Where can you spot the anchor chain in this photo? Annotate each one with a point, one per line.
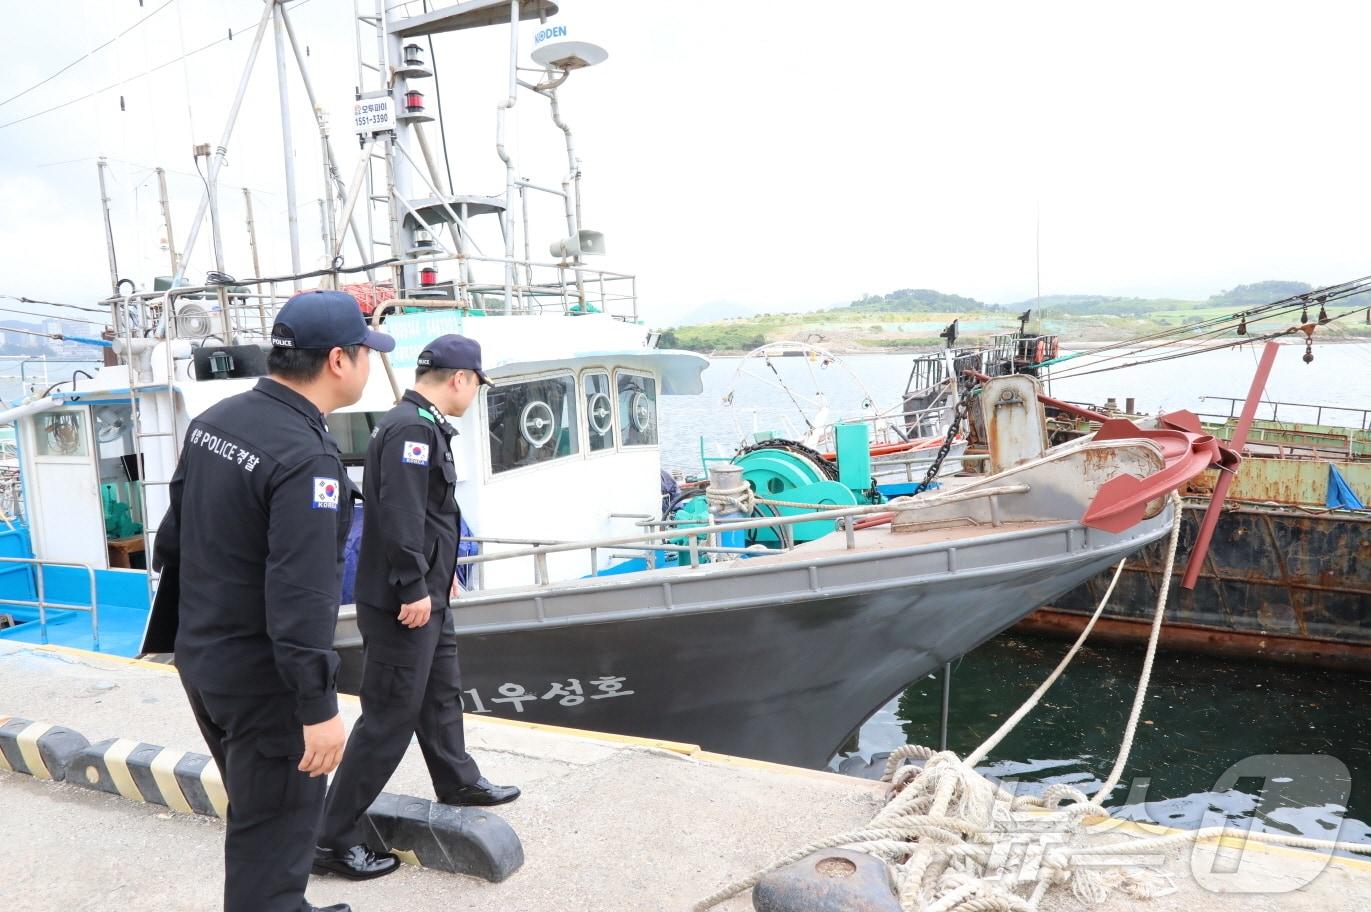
(959, 413)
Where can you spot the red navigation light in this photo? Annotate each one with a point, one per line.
(414, 101)
(428, 277)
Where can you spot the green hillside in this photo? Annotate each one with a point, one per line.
(912, 318)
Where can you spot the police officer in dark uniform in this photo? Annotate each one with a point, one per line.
(251, 558)
(411, 682)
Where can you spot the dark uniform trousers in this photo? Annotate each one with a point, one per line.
(411, 684)
(274, 809)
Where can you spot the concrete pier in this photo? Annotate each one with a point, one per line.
(607, 824)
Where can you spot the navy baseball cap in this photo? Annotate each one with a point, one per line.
(454, 352)
(324, 319)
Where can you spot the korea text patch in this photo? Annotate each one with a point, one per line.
(325, 493)
(415, 453)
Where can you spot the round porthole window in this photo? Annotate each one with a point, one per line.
(640, 412)
(537, 424)
(601, 417)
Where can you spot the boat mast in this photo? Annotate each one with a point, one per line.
(100, 167)
(338, 227)
(287, 143)
(506, 224)
(219, 153)
(166, 217)
(252, 235)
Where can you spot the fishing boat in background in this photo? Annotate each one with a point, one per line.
(1288, 575)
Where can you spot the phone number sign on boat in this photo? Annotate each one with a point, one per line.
(373, 115)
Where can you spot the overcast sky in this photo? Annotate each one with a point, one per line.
(773, 155)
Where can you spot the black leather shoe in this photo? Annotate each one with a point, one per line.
(336, 907)
(356, 863)
(481, 794)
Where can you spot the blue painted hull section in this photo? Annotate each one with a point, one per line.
(121, 600)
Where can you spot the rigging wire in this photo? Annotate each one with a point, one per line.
(29, 313)
(88, 54)
(1219, 325)
(23, 300)
(150, 169)
(147, 72)
(30, 332)
(1276, 334)
(185, 70)
(1211, 332)
(1339, 290)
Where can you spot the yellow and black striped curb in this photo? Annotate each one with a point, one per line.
(189, 783)
(459, 840)
(41, 750)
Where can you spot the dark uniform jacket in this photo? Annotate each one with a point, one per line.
(251, 551)
(410, 525)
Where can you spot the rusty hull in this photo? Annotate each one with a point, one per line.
(1205, 640)
(1280, 583)
(1300, 482)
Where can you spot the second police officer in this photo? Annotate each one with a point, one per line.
(411, 681)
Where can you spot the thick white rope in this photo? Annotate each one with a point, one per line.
(980, 753)
(725, 500)
(1126, 747)
(951, 832)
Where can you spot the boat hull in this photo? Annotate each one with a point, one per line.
(1279, 583)
(778, 660)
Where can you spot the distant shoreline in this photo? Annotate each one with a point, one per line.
(847, 350)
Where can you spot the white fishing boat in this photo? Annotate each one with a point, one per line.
(766, 616)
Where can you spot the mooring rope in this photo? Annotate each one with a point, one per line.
(953, 837)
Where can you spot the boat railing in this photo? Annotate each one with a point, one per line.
(936, 415)
(931, 368)
(42, 604)
(889, 465)
(660, 540)
(1363, 415)
(1296, 442)
(245, 311)
(561, 286)
(648, 551)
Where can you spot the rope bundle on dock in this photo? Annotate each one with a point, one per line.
(959, 842)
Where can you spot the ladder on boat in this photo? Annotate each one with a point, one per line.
(139, 391)
(415, 226)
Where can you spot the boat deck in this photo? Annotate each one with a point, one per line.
(609, 825)
(881, 538)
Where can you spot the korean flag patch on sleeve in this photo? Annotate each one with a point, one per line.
(325, 493)
(415, 453)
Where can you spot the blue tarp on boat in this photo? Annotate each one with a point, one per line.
(1340, 493)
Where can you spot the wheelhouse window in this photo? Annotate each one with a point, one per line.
(637, 408)
(531, 422)
(62, 433)
(599, 411)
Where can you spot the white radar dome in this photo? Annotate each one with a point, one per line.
(556, 46)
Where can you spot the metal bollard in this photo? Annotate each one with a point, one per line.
(834, 880)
